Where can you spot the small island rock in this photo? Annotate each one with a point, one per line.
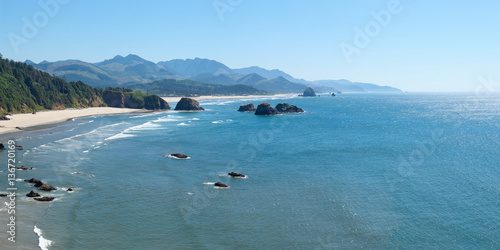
(45, 199)
(266, 109)
(236, 175)
(2, 147)
(247, 108)
(46, 187)
(33, 194)
(179, 156)
(188, 104)
(219, 184)
(309, 92)
(287, 108)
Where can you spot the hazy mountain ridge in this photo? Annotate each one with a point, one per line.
(134, 70)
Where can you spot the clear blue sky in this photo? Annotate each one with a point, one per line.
(426, 46)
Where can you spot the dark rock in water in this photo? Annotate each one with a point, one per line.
(35, 181)
(180, 156)
(2, 147)
(24, 168)
(19, 128)
(309, 92)
(339, 92)
(234, 174)
(247, 108)
(20, 148)
(266, 109)
(4, 118)
(287, 108)
(218, 184)
(333, 94)
(33, 194)
(188, 104)
(70, 190)
(46, 187)
(45, 199)
(4, 195)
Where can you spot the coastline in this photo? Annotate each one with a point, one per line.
(46, 117)
(27, 120)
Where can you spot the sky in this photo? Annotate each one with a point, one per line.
(414, 45)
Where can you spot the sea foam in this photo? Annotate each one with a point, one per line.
(43, 243)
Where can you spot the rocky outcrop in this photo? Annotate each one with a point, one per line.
(188, 104)
(236, 175)
(125, 98)
(33, 194)
(309, 92)
(179, 156)
(70, 190)
(24, 168)
(46, 188)
(40, 185)
(45, 199)
(4, 195)
(219, 184)
(247, 108)
(287, 108)
(2, 147)
(4, 118)
(266, 109)
(333, 94)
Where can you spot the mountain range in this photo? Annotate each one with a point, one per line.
(134, 71)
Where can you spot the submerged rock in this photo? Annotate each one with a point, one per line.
(179, 156)
(309, 92)
(188, 104)
(33, 194)
(70, 190)
(24, 168)
(237, 175)
(287, 108)
(247, 108)
(219, 184)
(266, 109)
(34, 181)
(45, 199)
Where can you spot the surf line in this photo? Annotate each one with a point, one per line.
(11, 178)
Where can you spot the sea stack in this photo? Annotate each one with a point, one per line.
(266, 109)
(2, 147)
(309, 92)
(247, 108)
(287, 108)
(219, 184)
(188, 104)
(33, 194)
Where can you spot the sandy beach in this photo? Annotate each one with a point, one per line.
(56, 116)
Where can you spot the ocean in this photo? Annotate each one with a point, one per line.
(377, 171)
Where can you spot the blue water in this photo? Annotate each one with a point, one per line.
(412, 171)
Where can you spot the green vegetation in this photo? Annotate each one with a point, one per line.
(26, 89)
(171, 87)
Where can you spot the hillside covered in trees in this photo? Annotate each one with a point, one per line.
(26, 89)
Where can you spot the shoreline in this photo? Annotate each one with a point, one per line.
(46, 117)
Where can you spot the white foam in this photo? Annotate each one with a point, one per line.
(183, 124)
(208, 183)
(117, 136)
(219, 121)
(195, 119)
(144, 126)
(43, 243)
(87, 122)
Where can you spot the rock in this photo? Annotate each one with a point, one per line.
(218, 184)
(33, 194)
(19, 128)
(266, 109)
(70, 190)
(46, 187)
(287, 108)
(2, 147)
(24, 168)
(309, 92)
(247, 108)
(20, 148)
(188, 104)
(333, 94)
(237, 175)
(179, 156)
(4, 195)
(4, 118)
(339, 92)
(34, 181)
(45, 199)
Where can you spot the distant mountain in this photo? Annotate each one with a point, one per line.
(132, 69)
(279, 85)
(218, 79)
(251, 79)
(269, 74)
(195, 67)
(348, 86)
(172, 87)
